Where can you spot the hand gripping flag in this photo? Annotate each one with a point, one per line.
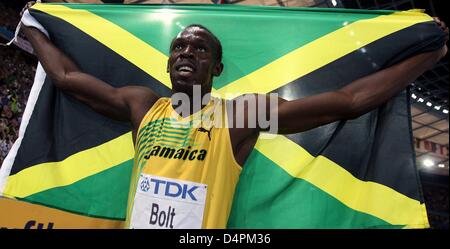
(356, 173)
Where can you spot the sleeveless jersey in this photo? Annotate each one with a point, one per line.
(184, 173)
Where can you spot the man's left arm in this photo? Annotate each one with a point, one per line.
(355, 99)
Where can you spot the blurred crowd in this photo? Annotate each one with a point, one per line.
(9, 17)
(17, 70)
(436, 200)
(16, 78)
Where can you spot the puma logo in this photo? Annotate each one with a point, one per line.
(201, 129)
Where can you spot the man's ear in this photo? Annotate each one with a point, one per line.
(218, 69)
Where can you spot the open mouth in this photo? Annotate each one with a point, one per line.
(185, 69)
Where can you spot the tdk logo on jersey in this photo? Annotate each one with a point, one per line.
(172, 189)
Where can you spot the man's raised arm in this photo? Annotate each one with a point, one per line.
(126, 104)
(355, 99)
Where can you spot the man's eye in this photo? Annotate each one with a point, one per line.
(201, 49)
(177, 47)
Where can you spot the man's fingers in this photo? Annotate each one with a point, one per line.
(440, 23)
(27, 6)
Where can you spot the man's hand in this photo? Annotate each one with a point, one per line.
(441, 24)
(27, 6)
(444, 49)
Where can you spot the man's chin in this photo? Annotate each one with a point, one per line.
(184, 82)
(183, 86)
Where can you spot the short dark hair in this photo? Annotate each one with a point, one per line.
(216, 40)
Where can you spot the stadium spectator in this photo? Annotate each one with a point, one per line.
(16, 77)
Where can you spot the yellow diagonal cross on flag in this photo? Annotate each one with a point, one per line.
(372, 198)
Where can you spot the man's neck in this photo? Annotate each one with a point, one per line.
(188, 104)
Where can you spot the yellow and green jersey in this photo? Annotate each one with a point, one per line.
(185, 172)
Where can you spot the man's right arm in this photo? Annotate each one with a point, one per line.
(126, 104)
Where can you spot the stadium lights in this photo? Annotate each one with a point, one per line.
(429, 104)
(413, 96)
(437, 107)
(445, 111)
(420, 100)
(334, 2)
(441, 165)
(428, 163)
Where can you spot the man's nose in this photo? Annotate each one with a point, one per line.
(187, 52)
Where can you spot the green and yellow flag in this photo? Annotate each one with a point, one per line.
(356, 173)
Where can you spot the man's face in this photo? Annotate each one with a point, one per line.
(193, 60)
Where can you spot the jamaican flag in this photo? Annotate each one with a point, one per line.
(356, 173)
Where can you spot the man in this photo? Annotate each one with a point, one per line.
(185, 174)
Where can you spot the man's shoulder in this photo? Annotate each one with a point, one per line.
(158, 102)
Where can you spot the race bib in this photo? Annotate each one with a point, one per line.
(165, 203)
